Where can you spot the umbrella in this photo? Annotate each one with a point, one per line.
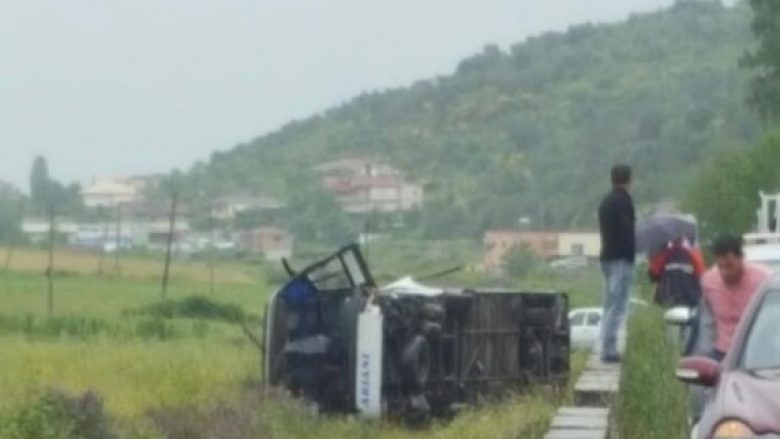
(655, 232)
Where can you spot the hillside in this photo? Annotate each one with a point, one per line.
(533, 130)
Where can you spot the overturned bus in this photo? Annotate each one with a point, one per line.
(405, 350)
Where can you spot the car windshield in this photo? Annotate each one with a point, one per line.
(762, 346)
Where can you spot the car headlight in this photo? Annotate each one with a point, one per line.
(732, 430)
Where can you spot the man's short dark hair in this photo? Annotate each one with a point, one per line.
(621, 175)
(726, 245)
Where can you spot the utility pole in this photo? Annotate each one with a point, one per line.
(118, 238)
(211, 246)
(50, 265)
(103, 241)
(171, 229)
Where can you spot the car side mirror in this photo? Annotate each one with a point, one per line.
(679, 316)
(699, 371)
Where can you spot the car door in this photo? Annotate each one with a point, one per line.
(579, 335)
(592, 326)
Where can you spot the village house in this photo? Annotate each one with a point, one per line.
(500, 242)
(37, 230)
(228, 207)
(143, 183)
(574, 244)
(546, 245)
(273, 243)
(364, 185)
(109, 192)
(115, 191)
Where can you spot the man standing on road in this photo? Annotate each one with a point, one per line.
(726, 291)
(618, 250)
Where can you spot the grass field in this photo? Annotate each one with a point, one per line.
(177, 373)
(69, 262)
(652, 404)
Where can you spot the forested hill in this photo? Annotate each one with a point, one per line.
(532, 131)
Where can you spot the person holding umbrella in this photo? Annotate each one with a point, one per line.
(618, 252)
(675, 264)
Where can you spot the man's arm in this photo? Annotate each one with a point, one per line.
(625, 221)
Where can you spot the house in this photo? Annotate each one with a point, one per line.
(499, 242)
(227, 208)
(154, 235)
(582, 243)
(357, 167)
(364, 185)
(154, 211)
(545, 244)
(37, 230)
(143, 183)
(109, 192)
(273, 243)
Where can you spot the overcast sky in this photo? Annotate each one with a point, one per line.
(139, 86)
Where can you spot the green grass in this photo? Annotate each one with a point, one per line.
(652, 403)
(109, 334)
(132, 376)
(110, 295)
(136, 362)
(583, 286)
(525, 416)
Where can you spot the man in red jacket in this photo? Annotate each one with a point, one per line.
(676, 270)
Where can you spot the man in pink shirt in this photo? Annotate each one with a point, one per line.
(726, 291)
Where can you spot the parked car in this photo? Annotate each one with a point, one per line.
(585, 326)
(743, 401)
(571, 263)
(767, 254)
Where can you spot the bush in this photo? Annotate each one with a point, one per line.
(520, 260)
(195, 307)
(87, 327)
(55, 415)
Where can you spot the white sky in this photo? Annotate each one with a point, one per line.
(109, 87)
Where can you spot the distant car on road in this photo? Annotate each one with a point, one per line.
(743, 402)
(571, 263)
(585, 325)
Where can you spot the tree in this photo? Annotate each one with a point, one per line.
(46, 193)
(520, 260)
(40, 185)
(725, 195)
(560, 107)
(9, 217)
(314, 215)
(765, 59)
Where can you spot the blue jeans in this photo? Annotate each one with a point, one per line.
(618, 276)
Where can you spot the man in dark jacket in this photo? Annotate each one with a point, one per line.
(618, 250)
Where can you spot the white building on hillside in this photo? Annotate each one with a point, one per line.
(109, 192)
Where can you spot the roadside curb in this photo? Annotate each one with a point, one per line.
(591, 416)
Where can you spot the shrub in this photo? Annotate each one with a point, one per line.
(196, 307)
(56, 415)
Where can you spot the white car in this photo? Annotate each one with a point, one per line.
(572, 263)
(767, 254)
(585, 326)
